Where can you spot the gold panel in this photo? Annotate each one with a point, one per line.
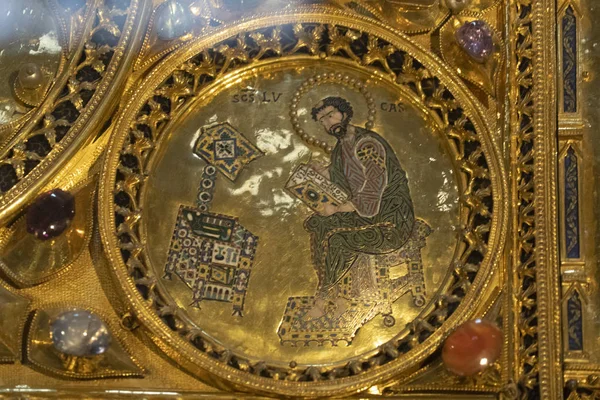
(222, 229)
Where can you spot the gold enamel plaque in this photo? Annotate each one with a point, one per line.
(298, 199)
(253, 269)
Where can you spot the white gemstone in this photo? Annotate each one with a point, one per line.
(173, 21)
(80, 333)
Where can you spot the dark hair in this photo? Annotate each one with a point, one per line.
(341, 104)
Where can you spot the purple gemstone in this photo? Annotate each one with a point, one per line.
(475, 38)
(50, 214)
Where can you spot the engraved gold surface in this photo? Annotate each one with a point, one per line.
(25, 261)
(578, 131)
(515, 104)
(115, 362)
(134, 235)
(283, 265)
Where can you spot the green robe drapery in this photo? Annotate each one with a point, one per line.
(337, 240)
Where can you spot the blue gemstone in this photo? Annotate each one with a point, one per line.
(80, 333)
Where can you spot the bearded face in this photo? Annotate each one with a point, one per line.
(334, 121)
(339, 130)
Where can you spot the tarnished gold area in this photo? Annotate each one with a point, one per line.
(100, 31)
(14, 310)
(31, 32)
(407, 15)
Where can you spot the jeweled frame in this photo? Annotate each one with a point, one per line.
(532, 366)
(131, 177)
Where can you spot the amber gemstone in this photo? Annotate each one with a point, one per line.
(472, 347)
(50, 214)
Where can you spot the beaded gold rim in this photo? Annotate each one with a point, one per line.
(221, 366)
(322, 79)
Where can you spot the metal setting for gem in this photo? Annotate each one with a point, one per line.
(472, 347)
(80, 333)
(30, 76)
(50, 214)
(193, 244)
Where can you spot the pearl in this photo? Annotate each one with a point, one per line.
(173, 21)
(30, 76)
(80, 333)
(457, 6)
(472, 347)
(476, 40)
(50, 214)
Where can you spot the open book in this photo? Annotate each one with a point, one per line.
(314, 189)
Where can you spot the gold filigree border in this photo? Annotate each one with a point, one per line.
(413, 72)
(75, 105)
(534, 287)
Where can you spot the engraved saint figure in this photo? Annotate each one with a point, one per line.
(378, 216)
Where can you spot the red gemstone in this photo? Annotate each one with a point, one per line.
(50, 214)
(472, 347)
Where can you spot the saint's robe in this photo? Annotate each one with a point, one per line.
(368, 170)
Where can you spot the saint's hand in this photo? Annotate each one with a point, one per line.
(328, 209)
(321, 168)
(347, 207)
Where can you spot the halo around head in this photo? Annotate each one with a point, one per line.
(321, 79)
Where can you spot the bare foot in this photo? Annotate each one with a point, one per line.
(341, 305)
(317, 310)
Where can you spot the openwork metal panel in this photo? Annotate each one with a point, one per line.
(290, 198)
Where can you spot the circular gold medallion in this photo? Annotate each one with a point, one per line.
(300, 208)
